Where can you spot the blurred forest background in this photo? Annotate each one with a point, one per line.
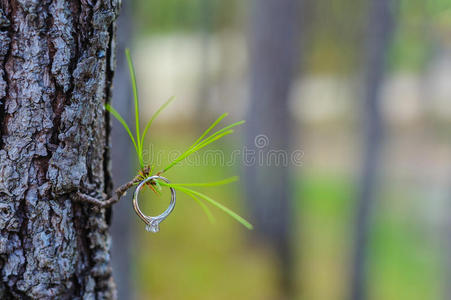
(361, 87)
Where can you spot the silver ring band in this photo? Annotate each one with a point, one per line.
(153, 223)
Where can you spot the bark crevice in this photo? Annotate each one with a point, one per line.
(5, 40)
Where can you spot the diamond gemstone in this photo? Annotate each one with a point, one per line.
(153, 227)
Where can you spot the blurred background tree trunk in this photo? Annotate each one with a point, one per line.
(273, 56)
(56, 68)
(380, 27)
(207, 15)
(122, 155)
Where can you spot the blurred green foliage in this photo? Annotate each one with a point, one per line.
(333, 30)
(193, 259)
(170, 16)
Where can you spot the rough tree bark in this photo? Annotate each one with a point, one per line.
(56, 67)
(381, 24)
(274, 55)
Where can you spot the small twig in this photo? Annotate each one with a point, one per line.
(118, 193)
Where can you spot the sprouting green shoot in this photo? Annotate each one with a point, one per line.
(228, 211)
(137, 139)
(203, 141)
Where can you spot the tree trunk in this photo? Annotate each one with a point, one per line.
(273, 52)
(56, 68)
(380, 28)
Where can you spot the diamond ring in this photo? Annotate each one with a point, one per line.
(153, 223)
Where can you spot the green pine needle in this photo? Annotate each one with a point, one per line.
(154, 116)
(210, 128)
(193, 150)
(135, 98)
(228, 211)
(213, 183)
(204, 207)
(118, 117)
(199, 144)
(227, 128)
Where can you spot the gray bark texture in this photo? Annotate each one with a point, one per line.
(56, 68)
